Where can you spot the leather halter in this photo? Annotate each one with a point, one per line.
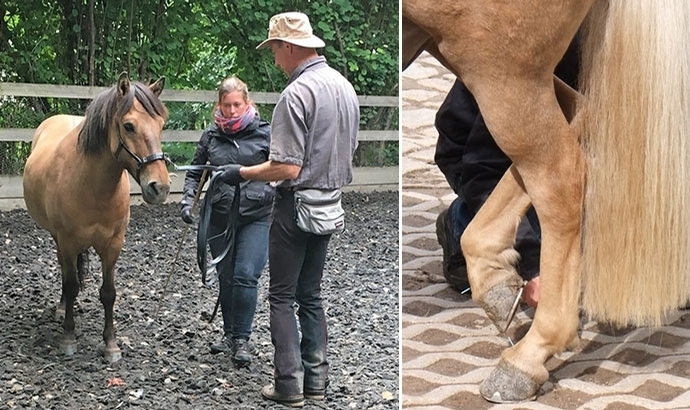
(140, 161)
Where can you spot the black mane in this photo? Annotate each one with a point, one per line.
(107, 107)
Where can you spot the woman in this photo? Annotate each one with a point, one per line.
(238, 136)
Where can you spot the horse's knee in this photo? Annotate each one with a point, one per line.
(70, 287)
(107, 296)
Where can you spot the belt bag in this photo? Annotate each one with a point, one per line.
(319, 212)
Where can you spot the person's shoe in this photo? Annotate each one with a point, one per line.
(225, 345)
(241, 354)
(317, 395)
(291, 400)
(454, 266)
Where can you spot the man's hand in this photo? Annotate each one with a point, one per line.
(531, 293)
(230, 174)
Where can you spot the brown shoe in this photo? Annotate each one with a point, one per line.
(291, 400)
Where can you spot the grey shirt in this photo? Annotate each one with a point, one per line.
(315, 124)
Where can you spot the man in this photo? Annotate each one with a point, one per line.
(313, 139)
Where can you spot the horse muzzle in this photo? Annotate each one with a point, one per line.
(155, 190)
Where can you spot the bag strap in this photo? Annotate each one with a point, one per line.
(303, 196)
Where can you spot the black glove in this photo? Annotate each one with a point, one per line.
(186, 214)
(230, 174)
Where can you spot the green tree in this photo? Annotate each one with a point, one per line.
(193, 44)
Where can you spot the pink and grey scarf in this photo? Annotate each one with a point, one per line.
(237, 124)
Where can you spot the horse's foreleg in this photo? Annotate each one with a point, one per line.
(82, 267)
(70, 291)
(487, 244)
(107, 296)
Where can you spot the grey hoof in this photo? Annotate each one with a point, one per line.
(112, 354)
(508, 384)
(112, 357)
(69, 348)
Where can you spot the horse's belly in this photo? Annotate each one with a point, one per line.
(44, 167)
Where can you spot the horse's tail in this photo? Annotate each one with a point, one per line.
(636, 235)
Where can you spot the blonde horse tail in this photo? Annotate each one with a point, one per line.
(636, 232)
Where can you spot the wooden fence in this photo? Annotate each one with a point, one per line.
(11, 192)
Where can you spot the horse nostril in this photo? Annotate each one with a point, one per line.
(158, 189)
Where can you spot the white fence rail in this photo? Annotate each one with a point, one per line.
(11, 191)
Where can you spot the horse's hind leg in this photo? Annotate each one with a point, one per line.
(107, 294)
(546, 153)
(488, 247)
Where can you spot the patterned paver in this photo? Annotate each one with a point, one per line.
(448, 344)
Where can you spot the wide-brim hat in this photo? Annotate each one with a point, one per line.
(292, 27)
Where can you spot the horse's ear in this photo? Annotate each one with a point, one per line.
(157, 87)
(123, 84)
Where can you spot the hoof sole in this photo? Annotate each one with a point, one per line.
(500, 303)
(507, 384)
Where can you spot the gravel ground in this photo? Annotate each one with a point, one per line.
(166, 361)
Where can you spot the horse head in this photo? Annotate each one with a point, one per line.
(138, 132)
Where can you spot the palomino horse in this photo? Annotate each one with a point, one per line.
(627, 261)
(76, 187)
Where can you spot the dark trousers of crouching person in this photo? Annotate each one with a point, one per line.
(296, 261)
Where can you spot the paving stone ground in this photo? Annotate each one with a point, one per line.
(449, 345)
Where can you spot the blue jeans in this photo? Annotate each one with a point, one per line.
(238, 281)
(296, 262)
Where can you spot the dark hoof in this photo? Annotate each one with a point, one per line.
(508, 384)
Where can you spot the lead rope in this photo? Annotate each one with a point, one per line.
(229, 236)
(202, 181)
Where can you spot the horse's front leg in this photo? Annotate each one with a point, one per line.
(107, 294)
(70, 291)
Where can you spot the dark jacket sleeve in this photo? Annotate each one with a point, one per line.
(192, 179)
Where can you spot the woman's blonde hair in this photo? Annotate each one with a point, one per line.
(232, 84)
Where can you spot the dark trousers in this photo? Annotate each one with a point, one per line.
(296, 260)
(239, 272)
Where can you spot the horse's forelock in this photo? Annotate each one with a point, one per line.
(99, 114)
(151, 103)
(106, 107)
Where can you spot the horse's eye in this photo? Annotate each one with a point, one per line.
(128, 127)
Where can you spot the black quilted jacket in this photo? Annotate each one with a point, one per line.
(247, 147)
